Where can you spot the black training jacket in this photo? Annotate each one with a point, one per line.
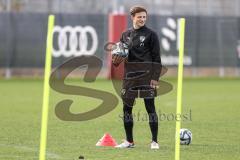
(143, 46)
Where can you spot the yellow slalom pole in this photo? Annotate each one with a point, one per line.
(179, 87)
(48, 61)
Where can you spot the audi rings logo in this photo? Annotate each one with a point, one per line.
(74, 41)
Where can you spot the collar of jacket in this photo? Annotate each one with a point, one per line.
(140, 29)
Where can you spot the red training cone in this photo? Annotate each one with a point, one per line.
(107, 140)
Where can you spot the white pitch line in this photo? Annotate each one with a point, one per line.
(29, 149)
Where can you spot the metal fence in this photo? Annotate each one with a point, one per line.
(160, 7)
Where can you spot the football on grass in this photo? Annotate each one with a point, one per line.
(185, 136)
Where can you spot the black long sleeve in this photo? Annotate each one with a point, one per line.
(156, 59)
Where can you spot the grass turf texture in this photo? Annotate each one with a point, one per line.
(214, 105)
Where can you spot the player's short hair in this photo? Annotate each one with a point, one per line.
(137, 9)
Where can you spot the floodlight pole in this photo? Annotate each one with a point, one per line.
(8, 71)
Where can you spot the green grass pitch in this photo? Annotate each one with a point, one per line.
(215, 123)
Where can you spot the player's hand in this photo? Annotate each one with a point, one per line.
(154, 84)
(116, 59)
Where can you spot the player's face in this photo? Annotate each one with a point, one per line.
(139, 19)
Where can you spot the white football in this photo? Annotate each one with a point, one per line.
(120, 49)
(185, 136)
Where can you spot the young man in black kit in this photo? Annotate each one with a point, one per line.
(143, 49)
